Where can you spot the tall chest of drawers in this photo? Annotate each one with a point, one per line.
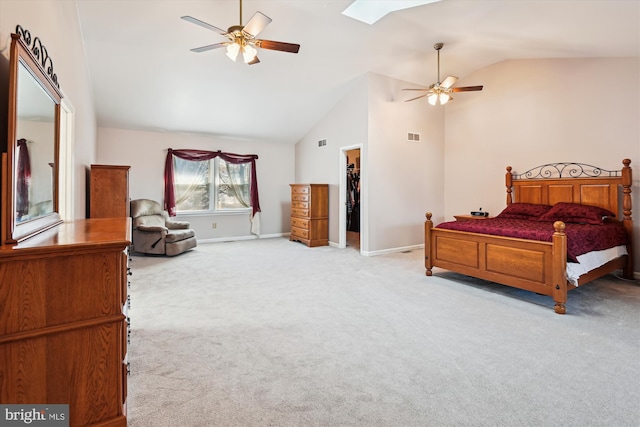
(109, 191)
(310, 214)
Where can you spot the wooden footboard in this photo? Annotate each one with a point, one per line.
(525, 264)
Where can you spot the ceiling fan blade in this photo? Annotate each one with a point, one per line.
(204, 24)
(254, 61)
(417, 97)
(424, 90)
(448, 82)
(256, 24)
(208, 47)
(281, 46)
(466, 89)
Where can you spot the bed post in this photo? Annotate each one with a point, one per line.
(627, 222)
(428, 225)
(508, 181)
(559, 273)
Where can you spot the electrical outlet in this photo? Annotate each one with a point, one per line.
(214, 225)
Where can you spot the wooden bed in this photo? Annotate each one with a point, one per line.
(537, 266)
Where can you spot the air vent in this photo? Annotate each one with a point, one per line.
(322, 143)
(413, 137)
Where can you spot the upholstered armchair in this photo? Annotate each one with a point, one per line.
(155, 233)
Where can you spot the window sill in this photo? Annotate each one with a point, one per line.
(217, 213)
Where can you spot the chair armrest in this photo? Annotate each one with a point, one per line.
(177, 225)
(152, 228)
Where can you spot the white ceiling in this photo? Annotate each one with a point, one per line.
(145, 77)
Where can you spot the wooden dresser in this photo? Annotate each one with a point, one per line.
(109, 191)
(63, 320)
(310, 214)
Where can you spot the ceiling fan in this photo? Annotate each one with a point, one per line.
(242, 39)
(440, 92)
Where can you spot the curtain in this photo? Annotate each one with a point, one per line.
(202, 167)
(201, 155)
(24, 177)
(234, 185)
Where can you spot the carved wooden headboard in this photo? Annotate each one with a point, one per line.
(573, 183)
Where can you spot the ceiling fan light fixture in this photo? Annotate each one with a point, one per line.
(438, 96)
(232, 50)
(248, 53)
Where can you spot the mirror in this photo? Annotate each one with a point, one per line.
(30, 167)
(35, 133)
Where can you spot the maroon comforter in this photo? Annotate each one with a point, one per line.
(581, 238)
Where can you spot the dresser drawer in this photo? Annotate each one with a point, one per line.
(300, 222)
(300, 205)
(299, 232)
(299, 189)
(300, 212)
(296, 197)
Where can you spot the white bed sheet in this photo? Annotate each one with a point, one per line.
(591, 260)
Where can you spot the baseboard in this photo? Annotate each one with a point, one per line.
(239, 238)
(393, 250)
(636, 276)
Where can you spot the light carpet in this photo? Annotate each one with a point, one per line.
(272, 333)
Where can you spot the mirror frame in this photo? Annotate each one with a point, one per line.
(12, 230)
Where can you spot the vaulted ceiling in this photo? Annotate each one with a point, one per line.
(145, 77)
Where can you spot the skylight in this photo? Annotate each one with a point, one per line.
(370, 11)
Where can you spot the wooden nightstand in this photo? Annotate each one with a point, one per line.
(468, 217)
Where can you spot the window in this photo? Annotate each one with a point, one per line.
(211, 185)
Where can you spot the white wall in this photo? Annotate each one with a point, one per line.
(56, 23)
(533, 112)
(405, 178)
(146, 152)
(344, 126)
(400, 180)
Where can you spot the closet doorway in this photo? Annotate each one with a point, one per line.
(350, 200)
